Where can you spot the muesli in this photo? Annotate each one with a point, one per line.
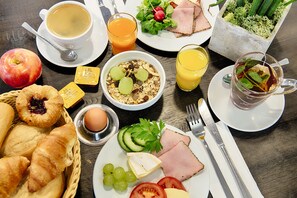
(143, 88)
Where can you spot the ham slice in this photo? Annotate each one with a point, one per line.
(180, 162)
(184, 17)
(201, 23)
(190, 4)
(171, 138)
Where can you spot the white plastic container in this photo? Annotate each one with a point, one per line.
(233, 41)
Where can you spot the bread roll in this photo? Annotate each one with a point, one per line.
(52, 155)
(6, 118)
(12, 170)
(53, 189)
(22, 140)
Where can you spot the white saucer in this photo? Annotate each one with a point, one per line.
(91, 50)
(257, 119)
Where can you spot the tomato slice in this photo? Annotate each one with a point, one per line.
(148, 190)
(171, 182)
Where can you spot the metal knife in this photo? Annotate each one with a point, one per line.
(212, 127)
(104, 11)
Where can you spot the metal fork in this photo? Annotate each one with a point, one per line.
(197, 128)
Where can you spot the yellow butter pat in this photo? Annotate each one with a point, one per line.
(71, 94)
(85, 75)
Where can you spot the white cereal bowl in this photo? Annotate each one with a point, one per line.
(127, 56)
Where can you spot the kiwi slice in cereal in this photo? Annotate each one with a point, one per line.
(141, 74)
(116, 73)
(126, 85)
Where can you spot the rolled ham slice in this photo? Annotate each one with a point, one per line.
(180, 162)
(171, 138)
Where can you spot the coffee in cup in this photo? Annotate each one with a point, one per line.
(69, 23)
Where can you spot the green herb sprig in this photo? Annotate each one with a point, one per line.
(149, 132)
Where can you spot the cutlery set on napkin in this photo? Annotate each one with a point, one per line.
(225, 160)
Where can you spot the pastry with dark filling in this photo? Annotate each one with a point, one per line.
(40, 106)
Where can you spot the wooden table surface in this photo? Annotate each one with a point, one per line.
(271, 154)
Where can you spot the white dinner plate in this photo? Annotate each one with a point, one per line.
(165, 40)
(91, 50)
(254, 120)
(197, 186)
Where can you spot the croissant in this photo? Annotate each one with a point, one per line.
(51, 156)
(12, 170)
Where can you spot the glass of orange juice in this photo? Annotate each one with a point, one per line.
(122, 32)
(191, 64)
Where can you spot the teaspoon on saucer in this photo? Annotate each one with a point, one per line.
(66, 55)
(227, 77)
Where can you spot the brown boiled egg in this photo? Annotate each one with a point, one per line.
(95, 119)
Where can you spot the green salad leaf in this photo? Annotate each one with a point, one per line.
(146, 16)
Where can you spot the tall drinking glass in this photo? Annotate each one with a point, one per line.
(191, 64)
(122, 32)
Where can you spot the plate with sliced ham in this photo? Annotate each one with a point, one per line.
(194, 19)
(183, 157)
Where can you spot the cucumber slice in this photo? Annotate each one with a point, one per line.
(136, 140)
(116, 73)
(127, 139)
(120, 139)
(141, 74)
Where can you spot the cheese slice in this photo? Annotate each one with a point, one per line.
(142, 163)
(176, 193)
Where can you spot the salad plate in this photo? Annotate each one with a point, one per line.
(165, 40)
(91, 50)
(113, 153)
(253, 120)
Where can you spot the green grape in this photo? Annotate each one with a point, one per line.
(116, 73)
(141, 74)
(108, 180)
(130, 177)
(108, 168)
(121, 185)
(119, 173)
(126, 85)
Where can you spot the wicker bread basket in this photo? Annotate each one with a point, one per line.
(72, 173)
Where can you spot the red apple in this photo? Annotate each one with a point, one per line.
(20, 67)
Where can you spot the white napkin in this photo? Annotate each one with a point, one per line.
(237, 160)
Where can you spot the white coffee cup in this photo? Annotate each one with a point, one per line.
(69, 23)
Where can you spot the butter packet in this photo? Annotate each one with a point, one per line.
(71, 94)
(85, 75)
